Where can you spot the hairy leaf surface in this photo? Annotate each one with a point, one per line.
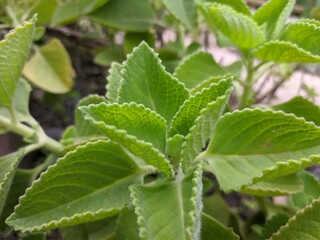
(252, 145)
(189, 111)
(128, 15)
(301, 107)
(50, 68)
(145, 81)
(14, 51)
(273, 16)
(305, 35)
(201, 132)
(196, 68)
(239, 28)
(212, 229)
(184, 11)
(114, 82)
(95, 177)
(304, 225)
(238, 5)
(284, 52)
(177, 212)
(137, 128)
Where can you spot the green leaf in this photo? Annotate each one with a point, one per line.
(95, 176)
(50, 68)
(301, 107)
(177, 212)
(284, 52)
(83, 127)
(14, 51)
(283, 185)
(196, 68)
(212, 229)
(21, 181)
(189, 111)
(252, 145)
(238, 5)
(88, 6)
(66, 13)
(273, 23)
(239, 28)
(273, 224)
(106, 56)
(137, 128)
(127, 227)
(304, 225)
(311, 190)
(133, 39)
(184, 11)
(44, 10)
(145, 81)
(173, 148)
(201, 132)
(128, 15)
(114, 82)
(8, 165)
(216, 207)
(304, 35)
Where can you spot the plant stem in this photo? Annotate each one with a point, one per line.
(247, 94)
(23, 130)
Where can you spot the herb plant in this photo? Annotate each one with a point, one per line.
(137, 163)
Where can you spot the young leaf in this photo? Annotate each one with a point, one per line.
(200, 133)
(177, 212)
(284, 52)
(114, 82)
(305, 35)
(196, 68)
(301, 107)
(311, 190)
(8, 165)
(283, 185)
(128, 15)
(212, 229)
(95, 176)
(239, 28)
(189, 111)
(14, 51)
(184, 11)
(252, 145)
(273, 23)
(145, 81)
(305, 224)
(50, 68)
(137, 128)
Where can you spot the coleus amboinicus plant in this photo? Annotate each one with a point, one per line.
(132, 165)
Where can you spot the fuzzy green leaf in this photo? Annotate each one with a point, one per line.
(304, 225)
(283, 185)
(212, 229)
(238, 5)
(177, 212)
(8, 165)
(239, 28)
(127, 227)
(196, 68)
(137, 128)
(273, 16)
(145, 81)
(304, 35)
(284, 52)
(50, 68)
(114, 82)
(128, 15)
(252, 145)
(189, 111)
(311, 190)
(184, 11)
(95, 176)
(200, 133)
(14, 51)
(301, 107)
